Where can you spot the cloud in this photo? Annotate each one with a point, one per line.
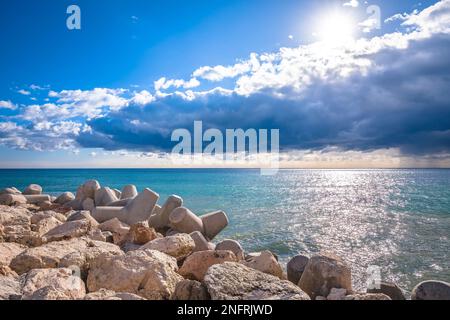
(351, 3)
(7, 105)
(369, 25)
(218, 73)
(164, 84)
(384, 93)
(24, 92)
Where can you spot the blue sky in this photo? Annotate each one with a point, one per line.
(91, 97)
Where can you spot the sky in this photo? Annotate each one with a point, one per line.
(349, 84)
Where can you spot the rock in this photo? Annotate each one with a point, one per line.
(12, 199)
(45, 225)
(9, 286)
(33, 189)
(183, 220)
(104, 196)
(65, 198)
(233, 246)
(431, 290)
(234, 281)
(178, 246)
(196, 265)
(324, 272)
(295, 268)
(128, 192)
(137, 210)
(89, 188)
(214, 223)
(52, 284)
(117, 228)
(11, 190)
(389, 289)
(46, 205)
(83, 215)
(51, 255)
(8, 251)
(68, 230)
(88, 204)
(160, 219)
(337, 294)
(367, 296)
(97, 235)
(37, 217)
(171, 232)
(36, 199)
(140, 233)
(104, 294)
(190, 290)
(118, 193)
(201, 244)
(267, 263)
(148, 273)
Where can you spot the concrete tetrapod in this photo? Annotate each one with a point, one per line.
(139, 209)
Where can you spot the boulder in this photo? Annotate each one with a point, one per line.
(39, 216)
(65, 198)
(183, 220)
(267, 263)
(104, 196)
(196, 265)
(118, 193)
(233, 246)
(9, 287)
(120, 203)
(160, 218)
(104, 294)
(190, 290)
(140, 233)
(46, 205)
(337, 294)
(214, 223)
(33, 189)
(295, 268)
(324, 272)
(148, 273)
(234, 281)
(68, 230)
(51, 255)
(52, 284)
(201, 244)
(8, 251)
(128, 192)
(12, 199)
(83, 215)
(367, 296)
(117, 228)
(389, 289)
(139, 209)
(178, 246)
(431, 290)
(45, 225)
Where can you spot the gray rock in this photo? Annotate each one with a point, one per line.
(389, 289)
(65, 198)
(234, 281)
(233, 246)
(431, 290)
(190, 290)
(295, 268)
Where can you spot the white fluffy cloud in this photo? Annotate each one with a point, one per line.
(351, 3)
(164, 84)
(7, 105)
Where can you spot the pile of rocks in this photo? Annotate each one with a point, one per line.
(108, 244)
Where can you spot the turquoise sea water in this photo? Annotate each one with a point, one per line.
(398, 220)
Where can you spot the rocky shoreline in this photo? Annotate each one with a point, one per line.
(109, 244)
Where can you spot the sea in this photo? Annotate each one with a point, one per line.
(388, 224)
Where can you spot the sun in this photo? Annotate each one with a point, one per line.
(335, 28)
